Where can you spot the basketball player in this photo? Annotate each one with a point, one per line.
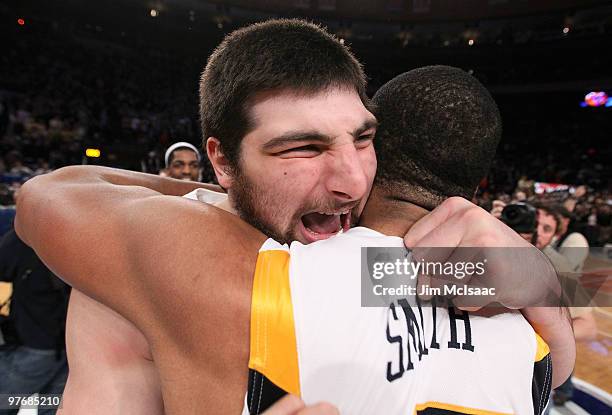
(197, 365)
(182, 161)
(310, 335)
(122, 377)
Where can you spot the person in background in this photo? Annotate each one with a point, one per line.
(519, 196)
(569, 243)
(182, 162)
(574, 247)
(33, 356)
(585, 329)
(7, 209)
(547, 224)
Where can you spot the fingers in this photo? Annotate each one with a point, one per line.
(444, 237)
(498, 204)
(458, 234)
(431, 221)
(498, 207)
(292, 405)
(322, 408)
(289, 405)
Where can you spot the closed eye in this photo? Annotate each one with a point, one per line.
(364, 140)
(365, 137)
(302, 151)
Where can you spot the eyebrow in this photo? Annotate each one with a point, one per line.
(370, 123)
(314, 136)
(297, 136)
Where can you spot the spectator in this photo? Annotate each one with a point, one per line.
(572, 245)
(34, 359)
(183, 161)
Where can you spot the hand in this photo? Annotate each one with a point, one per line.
(459, 231)
(580, 192)
(521, 274)
(498, 206)
(292, 405)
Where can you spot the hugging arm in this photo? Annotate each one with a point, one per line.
(527, 282)
(113, 235)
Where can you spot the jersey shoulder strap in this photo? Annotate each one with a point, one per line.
(273, 360)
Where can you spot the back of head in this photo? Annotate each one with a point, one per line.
(276, 55)
(562, 211)
(439, 129)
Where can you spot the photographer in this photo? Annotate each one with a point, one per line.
(33, 358)
(569, 243)
(540, 226)
(537, 225)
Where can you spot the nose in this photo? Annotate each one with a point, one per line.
(347, 180)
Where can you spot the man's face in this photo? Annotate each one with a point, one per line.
(184, 165)
(547, 225)
(307, 166)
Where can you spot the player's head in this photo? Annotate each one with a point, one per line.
(279, 102)
(439, 129)
(183, 161)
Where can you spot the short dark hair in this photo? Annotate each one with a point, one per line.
(280, 54)
(171, 156)
(439, 130)
(562, 211)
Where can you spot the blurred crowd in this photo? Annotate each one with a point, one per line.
(589, 211)
(61, 94)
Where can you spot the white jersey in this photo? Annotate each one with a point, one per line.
(310, 336)
(206, 196)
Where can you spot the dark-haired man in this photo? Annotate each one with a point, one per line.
(267, 105)
(290, 137)
(198, 340)
(570, 243)
(547, 224)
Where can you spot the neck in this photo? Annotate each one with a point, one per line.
(227, 206)
(389, 214)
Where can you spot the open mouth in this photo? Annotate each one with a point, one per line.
(322, 225)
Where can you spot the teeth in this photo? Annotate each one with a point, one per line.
(334, 213)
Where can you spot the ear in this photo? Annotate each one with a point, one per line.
(219, 162)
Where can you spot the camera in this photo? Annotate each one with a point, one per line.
(521, 217)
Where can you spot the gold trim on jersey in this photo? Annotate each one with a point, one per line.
(454, 408)
(541, 348)
(273, 345)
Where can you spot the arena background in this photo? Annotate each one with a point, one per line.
(121, 79)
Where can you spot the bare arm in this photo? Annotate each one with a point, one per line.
(113, 235)
(525, 283)
(585, 327)
(292, 405)
(163, 185)
(554, 325)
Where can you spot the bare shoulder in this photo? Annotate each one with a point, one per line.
(180, 242)
(199, 276)
(196, 264)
